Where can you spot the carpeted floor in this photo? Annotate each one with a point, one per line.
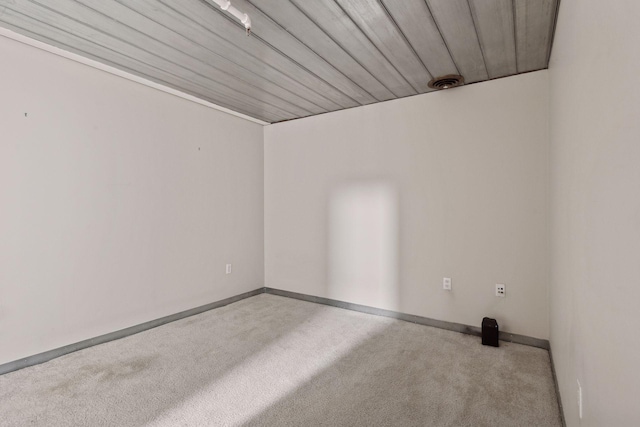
(274, 361)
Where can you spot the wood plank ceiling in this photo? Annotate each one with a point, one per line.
(304, 57)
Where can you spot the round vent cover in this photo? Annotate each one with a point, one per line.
(446, 82)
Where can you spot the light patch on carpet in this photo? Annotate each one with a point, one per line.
(298, 360)
(275, 361)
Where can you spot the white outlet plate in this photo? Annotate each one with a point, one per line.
(446, 283)
(501, 290)
(579, 400)
(228, 269)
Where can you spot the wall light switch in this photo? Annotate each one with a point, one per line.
(446, 283)
(228, 270)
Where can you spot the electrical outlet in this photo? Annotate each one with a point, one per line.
(446, 283)
(500, 290)
(228, 270)
(579, 400)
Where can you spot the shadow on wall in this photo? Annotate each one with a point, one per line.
(363, 249)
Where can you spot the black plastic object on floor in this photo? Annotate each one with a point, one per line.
(489, 332)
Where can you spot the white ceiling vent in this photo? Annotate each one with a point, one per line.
(446, 82)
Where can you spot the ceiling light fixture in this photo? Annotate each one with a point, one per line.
(227, 7)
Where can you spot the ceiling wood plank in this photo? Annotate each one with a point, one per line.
(81, 26)
(208, 39)
(208, 16)
(200, 54)
(534, 32)
(415, 21)
(304, 29)
(277, 36)
(335, 22)
(455, 22)
(205, 16)
(495, 25)
(163, 54)
(304, 57)
(372, 18)
(37, 30)
(100, 16)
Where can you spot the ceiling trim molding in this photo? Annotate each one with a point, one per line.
(120, 73)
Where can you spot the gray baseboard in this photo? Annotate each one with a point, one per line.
(61, 351)
(451, 326)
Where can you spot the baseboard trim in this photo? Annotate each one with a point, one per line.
(555, 381)
(61, 351)
(451, 326)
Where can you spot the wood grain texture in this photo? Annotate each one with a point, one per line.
(534, 31)
(172, 44)
(373, 20)
(415, 20)
(224, 49)
(304, 29)
(81, 47)
(226, 32)
(495, 25)
(276, 36)
(304, 57)
(34, 22)
(335, 22)
(455, 22)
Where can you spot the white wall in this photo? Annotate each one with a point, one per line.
(118, 203)
(375, 205)
(595, 210)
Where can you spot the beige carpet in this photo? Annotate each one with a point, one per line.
(269, 360)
